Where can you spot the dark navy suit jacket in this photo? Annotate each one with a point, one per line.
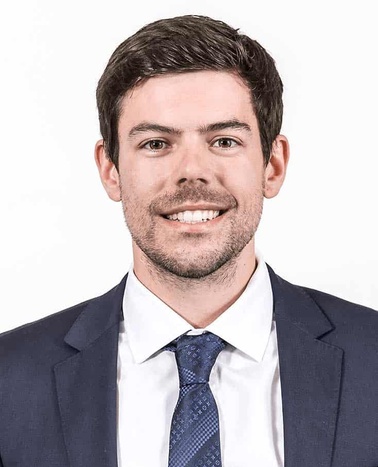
(58, 389)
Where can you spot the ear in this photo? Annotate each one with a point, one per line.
(275, 171)
(108, 172)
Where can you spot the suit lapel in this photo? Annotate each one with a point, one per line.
(87, 383)
(310, 372)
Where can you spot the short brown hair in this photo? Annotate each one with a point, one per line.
(184, 44)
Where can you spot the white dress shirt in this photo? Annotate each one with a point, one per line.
(245, 378)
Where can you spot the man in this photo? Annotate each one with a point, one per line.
(202, 355)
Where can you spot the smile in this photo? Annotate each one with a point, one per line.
(194, 217)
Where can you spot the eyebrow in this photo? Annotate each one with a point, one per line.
(145, 127)
(233, 124)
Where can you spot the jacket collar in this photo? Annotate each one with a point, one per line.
(293, 304)
(86, 383)
(310, 376)
(310, 373)
(97, 317)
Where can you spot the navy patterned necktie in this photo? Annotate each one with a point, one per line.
(194, 439)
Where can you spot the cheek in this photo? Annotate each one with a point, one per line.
(153, 180)
(244, 180)
(141, 183)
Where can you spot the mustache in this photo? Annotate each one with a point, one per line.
(190, 194)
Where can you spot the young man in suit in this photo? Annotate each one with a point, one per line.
(202, 355)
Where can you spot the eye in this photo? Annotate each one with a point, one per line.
(225, 143)
(155, 145)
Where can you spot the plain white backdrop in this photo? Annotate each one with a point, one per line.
(63, 241)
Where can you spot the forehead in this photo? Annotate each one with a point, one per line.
(188, 100)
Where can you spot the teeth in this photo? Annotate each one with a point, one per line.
(188, 216)
(197, 216)
(192, 217)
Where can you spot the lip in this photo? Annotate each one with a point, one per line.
(196, 227)
(195, 207)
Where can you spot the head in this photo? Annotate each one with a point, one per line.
(190, 114)
(187, 44)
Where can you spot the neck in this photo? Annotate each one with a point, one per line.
(198, 301)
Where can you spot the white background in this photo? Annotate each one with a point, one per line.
(63, 241)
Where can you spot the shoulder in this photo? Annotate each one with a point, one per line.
(50, 332)
(355, 327)
(29, 354)
(336, 309)
(44, 336)
(330, 318)
(342, 310)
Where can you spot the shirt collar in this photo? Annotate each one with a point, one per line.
(151, 324)
(247, 323)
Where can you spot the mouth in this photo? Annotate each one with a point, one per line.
(194, 216)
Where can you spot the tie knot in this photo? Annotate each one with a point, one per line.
(195, 356)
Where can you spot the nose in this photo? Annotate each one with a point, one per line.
(195, 165)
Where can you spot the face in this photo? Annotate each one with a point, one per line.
(191, 174)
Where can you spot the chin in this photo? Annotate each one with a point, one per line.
(196, 268)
